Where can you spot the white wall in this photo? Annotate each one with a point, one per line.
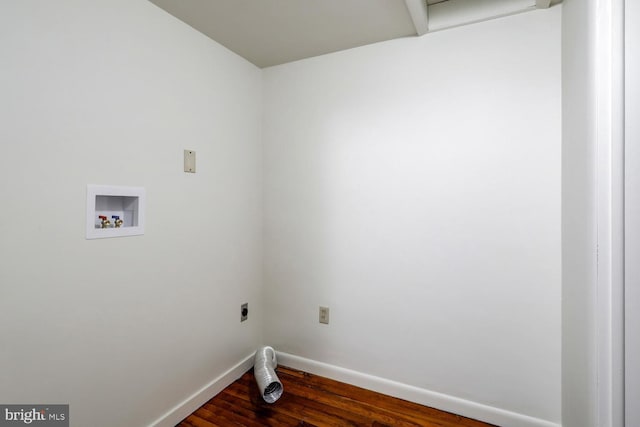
(632, 206)
(413, 187)
(111, 92)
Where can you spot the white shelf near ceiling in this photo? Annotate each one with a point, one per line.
(434, 15)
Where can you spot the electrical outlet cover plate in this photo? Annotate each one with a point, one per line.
(244, 312)
(324, 315)
(190, 161)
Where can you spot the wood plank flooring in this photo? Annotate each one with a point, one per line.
(310, 400)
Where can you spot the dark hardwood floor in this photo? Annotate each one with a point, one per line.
(311, 400)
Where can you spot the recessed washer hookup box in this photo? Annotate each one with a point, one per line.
(114, 211)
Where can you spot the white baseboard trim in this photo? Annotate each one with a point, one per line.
(425, 397)
(199, 398)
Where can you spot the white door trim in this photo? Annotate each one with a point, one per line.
(609, 45)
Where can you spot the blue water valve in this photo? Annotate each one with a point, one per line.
(117, 221)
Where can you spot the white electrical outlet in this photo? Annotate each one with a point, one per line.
(324, 315)
(244, 311)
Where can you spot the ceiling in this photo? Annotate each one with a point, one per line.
(272, 32)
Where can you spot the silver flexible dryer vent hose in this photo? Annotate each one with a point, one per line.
(264, 365)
